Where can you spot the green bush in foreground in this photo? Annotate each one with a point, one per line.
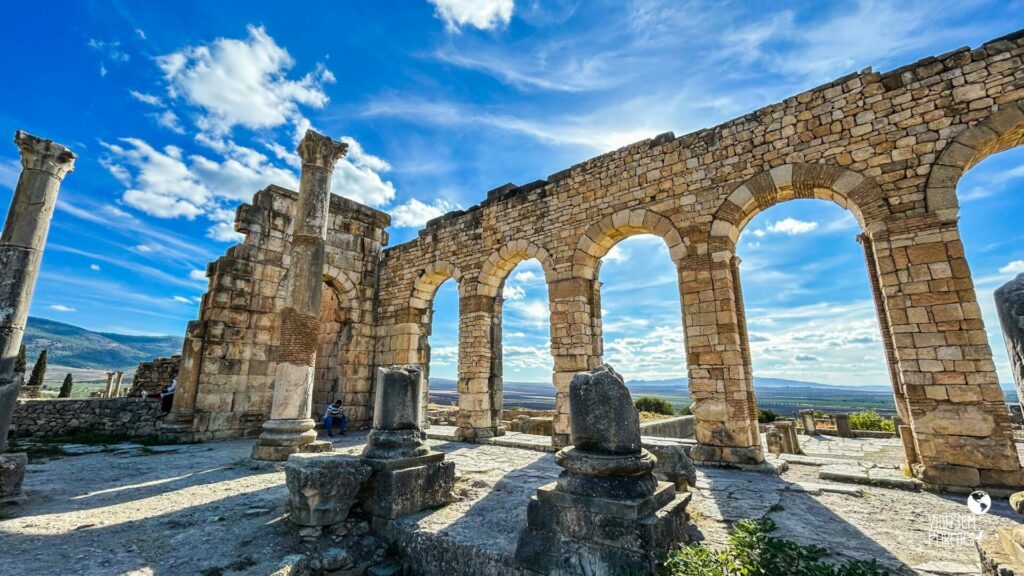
(656, 405)
(753, 552)
(871, 420)
(767, 415)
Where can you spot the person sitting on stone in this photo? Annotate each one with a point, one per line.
(335, 415)
(167, 396)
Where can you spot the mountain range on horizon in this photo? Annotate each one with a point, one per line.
(78, 347)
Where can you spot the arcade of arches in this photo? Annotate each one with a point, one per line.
(889, 147)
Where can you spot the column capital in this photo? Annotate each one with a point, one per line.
(44, 155)
(319, 150)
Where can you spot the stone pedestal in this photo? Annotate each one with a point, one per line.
(606, 514)
(407, 475)
(773, 440)
(290, 427)
(843, 429)
(12, 474)
(323, 487)
(1010, 305)
(790, 441)
(807, 419)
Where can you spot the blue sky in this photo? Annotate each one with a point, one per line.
(178, 114)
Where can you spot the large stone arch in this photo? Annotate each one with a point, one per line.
(501, 262)
(430, 279)
(601, 236)
(340, 371)
(850, 190)
(1002, 130)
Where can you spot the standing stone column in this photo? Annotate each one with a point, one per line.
(807, 418)
(44, 164)
(110, 385)
(118, 378)
(290, 428)
(1010, 305)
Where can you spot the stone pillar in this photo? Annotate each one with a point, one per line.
(407, 475)
(607, 511)
(44, 164)
(773, 440)
(108, 392)
(476, 413)
(726, 429)
(843, 429)
(290, 427)
(807, 419)
(497, 379)
(956, 409)
(572, 344)
(790, 441)
(883, 325)
(118, 377)
(1010, 305)
(184, 407)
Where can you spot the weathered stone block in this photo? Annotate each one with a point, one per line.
(12, 475)
(400, 488)
(323, 487)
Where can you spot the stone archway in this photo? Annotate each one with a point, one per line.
(337, 363)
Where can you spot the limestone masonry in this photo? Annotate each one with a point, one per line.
(889, 147)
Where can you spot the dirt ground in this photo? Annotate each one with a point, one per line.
(200, 509)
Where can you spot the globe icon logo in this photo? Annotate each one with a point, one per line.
(979, 502)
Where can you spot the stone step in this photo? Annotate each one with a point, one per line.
(884, 477)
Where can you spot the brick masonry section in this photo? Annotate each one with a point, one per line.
(64, 416)
(889, 147)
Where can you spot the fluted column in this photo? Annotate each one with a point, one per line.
(290, 427)
(44, 164)
(184, 407)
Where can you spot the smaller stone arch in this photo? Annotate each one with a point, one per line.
(430, 279)
(1002, 130)
(501, 262)
(850, 190)
(602, 235)
(340, 282)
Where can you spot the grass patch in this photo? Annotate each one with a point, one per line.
(37, 452)
(753, 551)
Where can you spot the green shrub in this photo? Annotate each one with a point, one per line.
(684, 410)
(656, 405)
(871, 420)
(766, 415)
(752, 551)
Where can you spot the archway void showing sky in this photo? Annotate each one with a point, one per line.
(179, 113)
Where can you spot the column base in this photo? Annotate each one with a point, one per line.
(610, 535)
(471, 434)
(560, 440)
(282, 438)
(406, 486)
(965, 479)
(706, 454)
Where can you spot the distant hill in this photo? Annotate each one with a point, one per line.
(76, 347)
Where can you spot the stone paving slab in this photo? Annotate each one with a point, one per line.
(877, 476)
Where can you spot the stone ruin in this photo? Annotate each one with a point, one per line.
(889, 147)
(154, 376)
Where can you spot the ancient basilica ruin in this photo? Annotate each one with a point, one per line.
(889, 147)
(315, 305)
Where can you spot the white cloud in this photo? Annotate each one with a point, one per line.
(242, 82)
(198, 275)
(182, 299)
(791, 226)
(61, 308)
(144, 248)
(512, 292)
(533, 311)
(415, 213)
(526, 276)
(1015, 267)
(168, 119)
(482, 14)
(10, 171)
(109, 50)
(94, 267)
(223, 229)
(146, 98)
(615, 254)
(806, 358)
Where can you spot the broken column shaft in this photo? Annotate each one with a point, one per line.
(44, 165)
(290, 428)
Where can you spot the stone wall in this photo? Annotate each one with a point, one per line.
(153, 376)
(677, 427)
(889, 147)
(64, 416)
